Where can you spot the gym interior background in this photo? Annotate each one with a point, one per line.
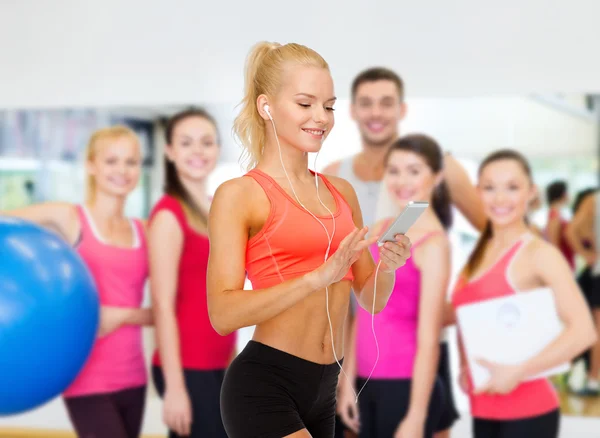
(478, 77)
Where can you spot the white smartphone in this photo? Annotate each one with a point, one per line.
(404, 221)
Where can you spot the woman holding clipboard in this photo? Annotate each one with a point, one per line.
(510, 258)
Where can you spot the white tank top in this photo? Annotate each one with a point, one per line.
(367, 192)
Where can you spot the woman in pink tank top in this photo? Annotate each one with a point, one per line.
(509, 259)
(107, 398)
(403, 396)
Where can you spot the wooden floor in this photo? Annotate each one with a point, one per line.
(571, 405)
(576, 405)
(39, 433)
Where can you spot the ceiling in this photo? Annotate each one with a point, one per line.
(107, 53)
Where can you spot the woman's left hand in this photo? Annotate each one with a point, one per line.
(503, 378)
(393, 255)
(410, 428)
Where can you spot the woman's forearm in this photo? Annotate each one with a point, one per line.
(425, 370)
(572, 341)
(350, 353)
(141, 317)
(377, 290)
(167, 339)
(449, 317)
(235, 309)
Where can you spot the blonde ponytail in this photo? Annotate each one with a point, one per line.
(263, 72)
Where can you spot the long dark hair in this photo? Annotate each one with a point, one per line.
(173, 185)
(477, 254)
(428, 148)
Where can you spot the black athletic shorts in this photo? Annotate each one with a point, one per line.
(384, 403)
(203, 388)
(449, 413)
(269, 393)
(590, 286)
(542, 426)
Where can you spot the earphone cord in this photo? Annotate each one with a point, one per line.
(329, 240)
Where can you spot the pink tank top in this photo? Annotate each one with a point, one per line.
(117, 359)
(395, 326)
(530, 398)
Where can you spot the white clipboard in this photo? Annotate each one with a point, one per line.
(509, 330)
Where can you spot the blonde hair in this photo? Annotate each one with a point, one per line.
(99, 136)
(263, 74)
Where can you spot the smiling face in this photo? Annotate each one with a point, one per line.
(378, 109)
(302, 109)
(114, 165)
(408, 177)
(506, 191)
(194, 148)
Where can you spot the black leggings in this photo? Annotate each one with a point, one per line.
(203, 388)
(384, 403)
(115, 414)
(542, 426)
(268, 393)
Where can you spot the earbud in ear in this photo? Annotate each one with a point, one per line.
(268, 111)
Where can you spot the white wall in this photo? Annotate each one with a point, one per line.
(153, 52)
(469, 127)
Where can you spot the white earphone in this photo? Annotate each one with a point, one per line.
(329, 240)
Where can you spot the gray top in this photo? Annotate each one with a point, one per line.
(367, 192)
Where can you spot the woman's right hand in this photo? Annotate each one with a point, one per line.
(337, 266)
(346, 408)
(111, 319)
(177, 411)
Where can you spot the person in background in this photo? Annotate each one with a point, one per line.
(191, 357)
(557, 197)
(405, 397)
(583, 234)
(378, 107)
(107, 398)
(509, 259)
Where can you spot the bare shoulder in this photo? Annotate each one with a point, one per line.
(332, 168)
(343, 186)
(435, 250)
(235, 190)
(349, 195)
(61, 216)
(241, 197)
(588, 205)
(439, 240)
(543, 254)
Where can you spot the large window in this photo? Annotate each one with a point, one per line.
(42, 154)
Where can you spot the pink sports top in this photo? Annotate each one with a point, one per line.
(291, 242)
(395, 326)
(529, 399)
(117, 359)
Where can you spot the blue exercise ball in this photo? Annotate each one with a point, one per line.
(49, 315)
